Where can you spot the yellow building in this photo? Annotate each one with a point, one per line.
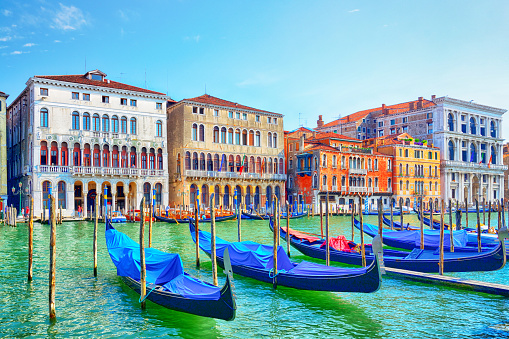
(221, 147)
(3, 149)
(416, 171)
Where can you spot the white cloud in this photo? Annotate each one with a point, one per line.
(354, 10)
(7, 38)
(57, 41)
(6, 12)
(16, 52)
(30, 44)
(195, 38)
(3, 47)
(69, 18)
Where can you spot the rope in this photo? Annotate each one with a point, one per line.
(145, 297)
(273, 276)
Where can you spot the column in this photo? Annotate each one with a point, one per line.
(458, 149)
(84, 201)
(69, 199)
(113, 199)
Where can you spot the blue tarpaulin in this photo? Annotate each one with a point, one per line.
(163, 269)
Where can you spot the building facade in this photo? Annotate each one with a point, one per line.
(74, 135)
(328, 162)
(416, 172)
(467, 133)
(3, 149)
(221, 147)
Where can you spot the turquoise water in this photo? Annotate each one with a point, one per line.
(104, 307)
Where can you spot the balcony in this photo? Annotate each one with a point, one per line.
(303, 170)
(325, 188)
(472, 165)
(360, 171)
(334, 188)
(233, 175)
(100, 171)
(358, 189)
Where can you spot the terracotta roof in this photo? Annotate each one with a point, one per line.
(390, 109)
(327, 135)
(209, 99)
(80, 79)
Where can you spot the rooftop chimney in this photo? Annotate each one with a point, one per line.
(319, 122)
(419, 103)
(433, 97)
(301, 142)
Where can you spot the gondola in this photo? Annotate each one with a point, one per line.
(117, 217)
(136, 216)
(167, 283)
(464, 241)
(174, 221)
(417, 260)
(397, 224)
(255, 216)
(253, 260)
(436, 224)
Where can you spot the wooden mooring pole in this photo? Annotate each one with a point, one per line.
(213, 240)
(441, 258)
(391, 200)
(451, 227)
(421, 212)
(96, 224)
(478, 226)
(321, 219)
(275, 248)
(288, 228)
(380, 221)
(401, 213)
(52, 258)
(143, 268)
(466, 213)
(363, 250)
(197, 232)
(150, 213)
(327, 245)
(30, 238)
(352, 218)
(489, 215)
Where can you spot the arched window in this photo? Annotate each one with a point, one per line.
(114, 124)
(46, 187)
(159, 189)
(195, 161)
(274, 140)
(75, 120)
(210, 164)
(223, 135)
(334, 181)
(407, 172)
(257, 139)
(44, 117)
(400, 169)
(451, 151)
(472, 126)
(202, 133)
(237, 136)
(493, 155)
(334, 162)
(123, 126)
(202, 162)
(230, 136)
(96, 123)
(106, 123)
(195, 132)
(343, 161)
(343, 181)
(324, 160)
(473, 153)
(406, 153)
(160, 160)
(159, 128)
(244, 137)
(216, 162)
(133, 125)
(251, 138)
(389, 165)
(188, 161)
(315, 180)
(281, 166)
(376, 164)
(216, 134)
(407, 185)
(269, 140)
(493, 130)
(86, 121)
(450, 122)
(401, 185)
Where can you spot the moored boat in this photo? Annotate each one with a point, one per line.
(117, 217)
(135, 216)
(342, 250)
(167, 283)
(253, 260)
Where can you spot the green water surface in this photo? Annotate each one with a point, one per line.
(104, 307)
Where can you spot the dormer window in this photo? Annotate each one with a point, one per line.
(97, 77)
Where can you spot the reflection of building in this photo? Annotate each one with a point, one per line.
(3, 150)
(221, 146)
(416, 170)
(467, 133)
(506, 171)
(340, 165)
(75, 134)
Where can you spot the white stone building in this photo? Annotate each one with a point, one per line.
(73, 135)
(469, 136)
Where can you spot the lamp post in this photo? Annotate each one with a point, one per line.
(20, 184)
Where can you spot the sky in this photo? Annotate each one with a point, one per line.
(298, 58)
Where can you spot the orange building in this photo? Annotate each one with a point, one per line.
(338, 164)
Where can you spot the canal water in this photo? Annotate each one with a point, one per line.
(104, 307)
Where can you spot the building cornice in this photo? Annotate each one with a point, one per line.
(36, 80)
(229, 108)
(469, 104)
